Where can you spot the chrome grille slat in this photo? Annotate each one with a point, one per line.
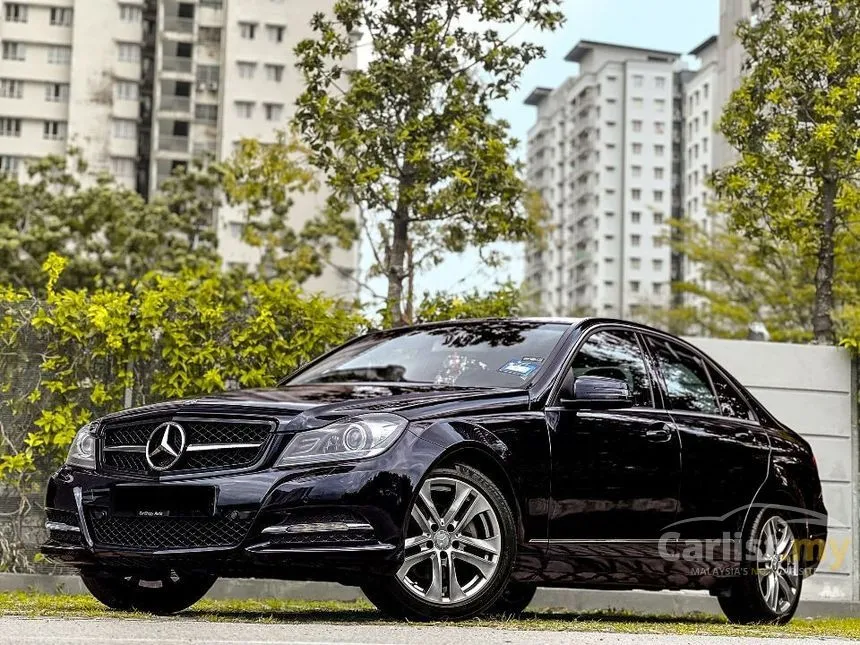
(214, 444)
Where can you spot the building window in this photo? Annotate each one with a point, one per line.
(636, 263)
(659, 127)
(660, 105)
(274, 73)
(706, 89)
(637, 126)
(657, 287)
(209, 74)
(209, 35)
(657, 264)
(10, 127)
(658, 195)
(638, 80)
(705, 118)
(129, 52)
(659, 173)
(57, 92)
(9, 164)
(275, 33)
(274, 111)
(204, 112)
(59, 55)
(660, 82)
(126, 91)
(54, 130)
(635, 217)
(658, 219)
(245, 109)
(658, 242)
(246, 70)
(637, 194)
(16, 12)
(659, 150)
(637, 171)
(122, 167)
(637, 148)
(638, 103)
(14, 51)
(130, 13)
(634, 286)
(61, 17)
(125, 129)
(11, 89)
(248, 30)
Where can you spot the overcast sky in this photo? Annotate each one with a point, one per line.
(672, 25)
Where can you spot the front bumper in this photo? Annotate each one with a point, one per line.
(320, 523)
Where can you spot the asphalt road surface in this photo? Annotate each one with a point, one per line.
(42, 631)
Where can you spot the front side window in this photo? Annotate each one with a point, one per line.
(615, 354)
(688, 384)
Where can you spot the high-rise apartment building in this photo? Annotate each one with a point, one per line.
(141, 86)
(603, 155)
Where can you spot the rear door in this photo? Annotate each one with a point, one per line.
(724, 452)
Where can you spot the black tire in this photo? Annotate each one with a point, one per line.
(514, 600)
(161, 594)
(391, 595)
(744, 601)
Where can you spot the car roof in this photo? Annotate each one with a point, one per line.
(556, 320)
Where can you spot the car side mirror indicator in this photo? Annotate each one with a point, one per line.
(599, 393)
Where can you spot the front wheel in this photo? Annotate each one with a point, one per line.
(156, 593)
(514, 600)
(769, 592)
(459, 547)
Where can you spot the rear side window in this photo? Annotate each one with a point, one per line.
(732, 403)
(616, 354)
(688, 384)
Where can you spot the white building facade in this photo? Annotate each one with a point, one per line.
(142, 86)
(601, 154)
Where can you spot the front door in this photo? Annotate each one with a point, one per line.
(615, 473)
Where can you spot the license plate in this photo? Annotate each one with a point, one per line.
(163, 501)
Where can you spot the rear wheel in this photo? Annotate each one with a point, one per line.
(156, 593)
(770, 590)
(459, 547)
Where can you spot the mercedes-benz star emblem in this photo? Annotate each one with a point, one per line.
(166, 446)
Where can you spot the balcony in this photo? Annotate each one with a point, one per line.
(176, 104)
(179, 64)
(204, 148)
(172, 143)
(179, 25)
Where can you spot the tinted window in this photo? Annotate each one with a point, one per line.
(731, 402)
(687, 382)
(615, 354)
(500, 353)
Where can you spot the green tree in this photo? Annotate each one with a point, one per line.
(412, 139)
(111, 233)
(507, 300)
(796, 123)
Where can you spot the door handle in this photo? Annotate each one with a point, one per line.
(658, 433)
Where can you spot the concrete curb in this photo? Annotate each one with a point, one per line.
(674, 603)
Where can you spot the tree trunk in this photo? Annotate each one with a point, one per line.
(410, 284)
(822, 321)
(395, 269)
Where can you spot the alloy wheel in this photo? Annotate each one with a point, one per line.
(453, 543)
(778, 565)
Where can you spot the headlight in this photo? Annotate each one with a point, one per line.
(83, 450)
(365, 436)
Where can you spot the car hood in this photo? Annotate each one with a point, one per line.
(329, 401)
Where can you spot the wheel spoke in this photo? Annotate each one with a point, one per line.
(491, 546)
(412, 560)
(434, 591)
(772, 595)
(484, 566)
(479, 505)
(785, 544)
(427, 499)
(461, 494)
(416, 541)
(786, 587)
(420, 519)
(455, 592)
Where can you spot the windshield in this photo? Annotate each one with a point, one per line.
(501, 353)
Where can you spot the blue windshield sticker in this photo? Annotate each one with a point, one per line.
(523, 369)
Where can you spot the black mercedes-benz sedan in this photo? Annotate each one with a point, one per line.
(449, 470)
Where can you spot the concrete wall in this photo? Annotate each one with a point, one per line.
(812, 390)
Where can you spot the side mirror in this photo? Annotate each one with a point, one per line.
(598, 393)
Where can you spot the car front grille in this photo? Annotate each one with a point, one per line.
(212, 445)
(161, 533)
(62, 527)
